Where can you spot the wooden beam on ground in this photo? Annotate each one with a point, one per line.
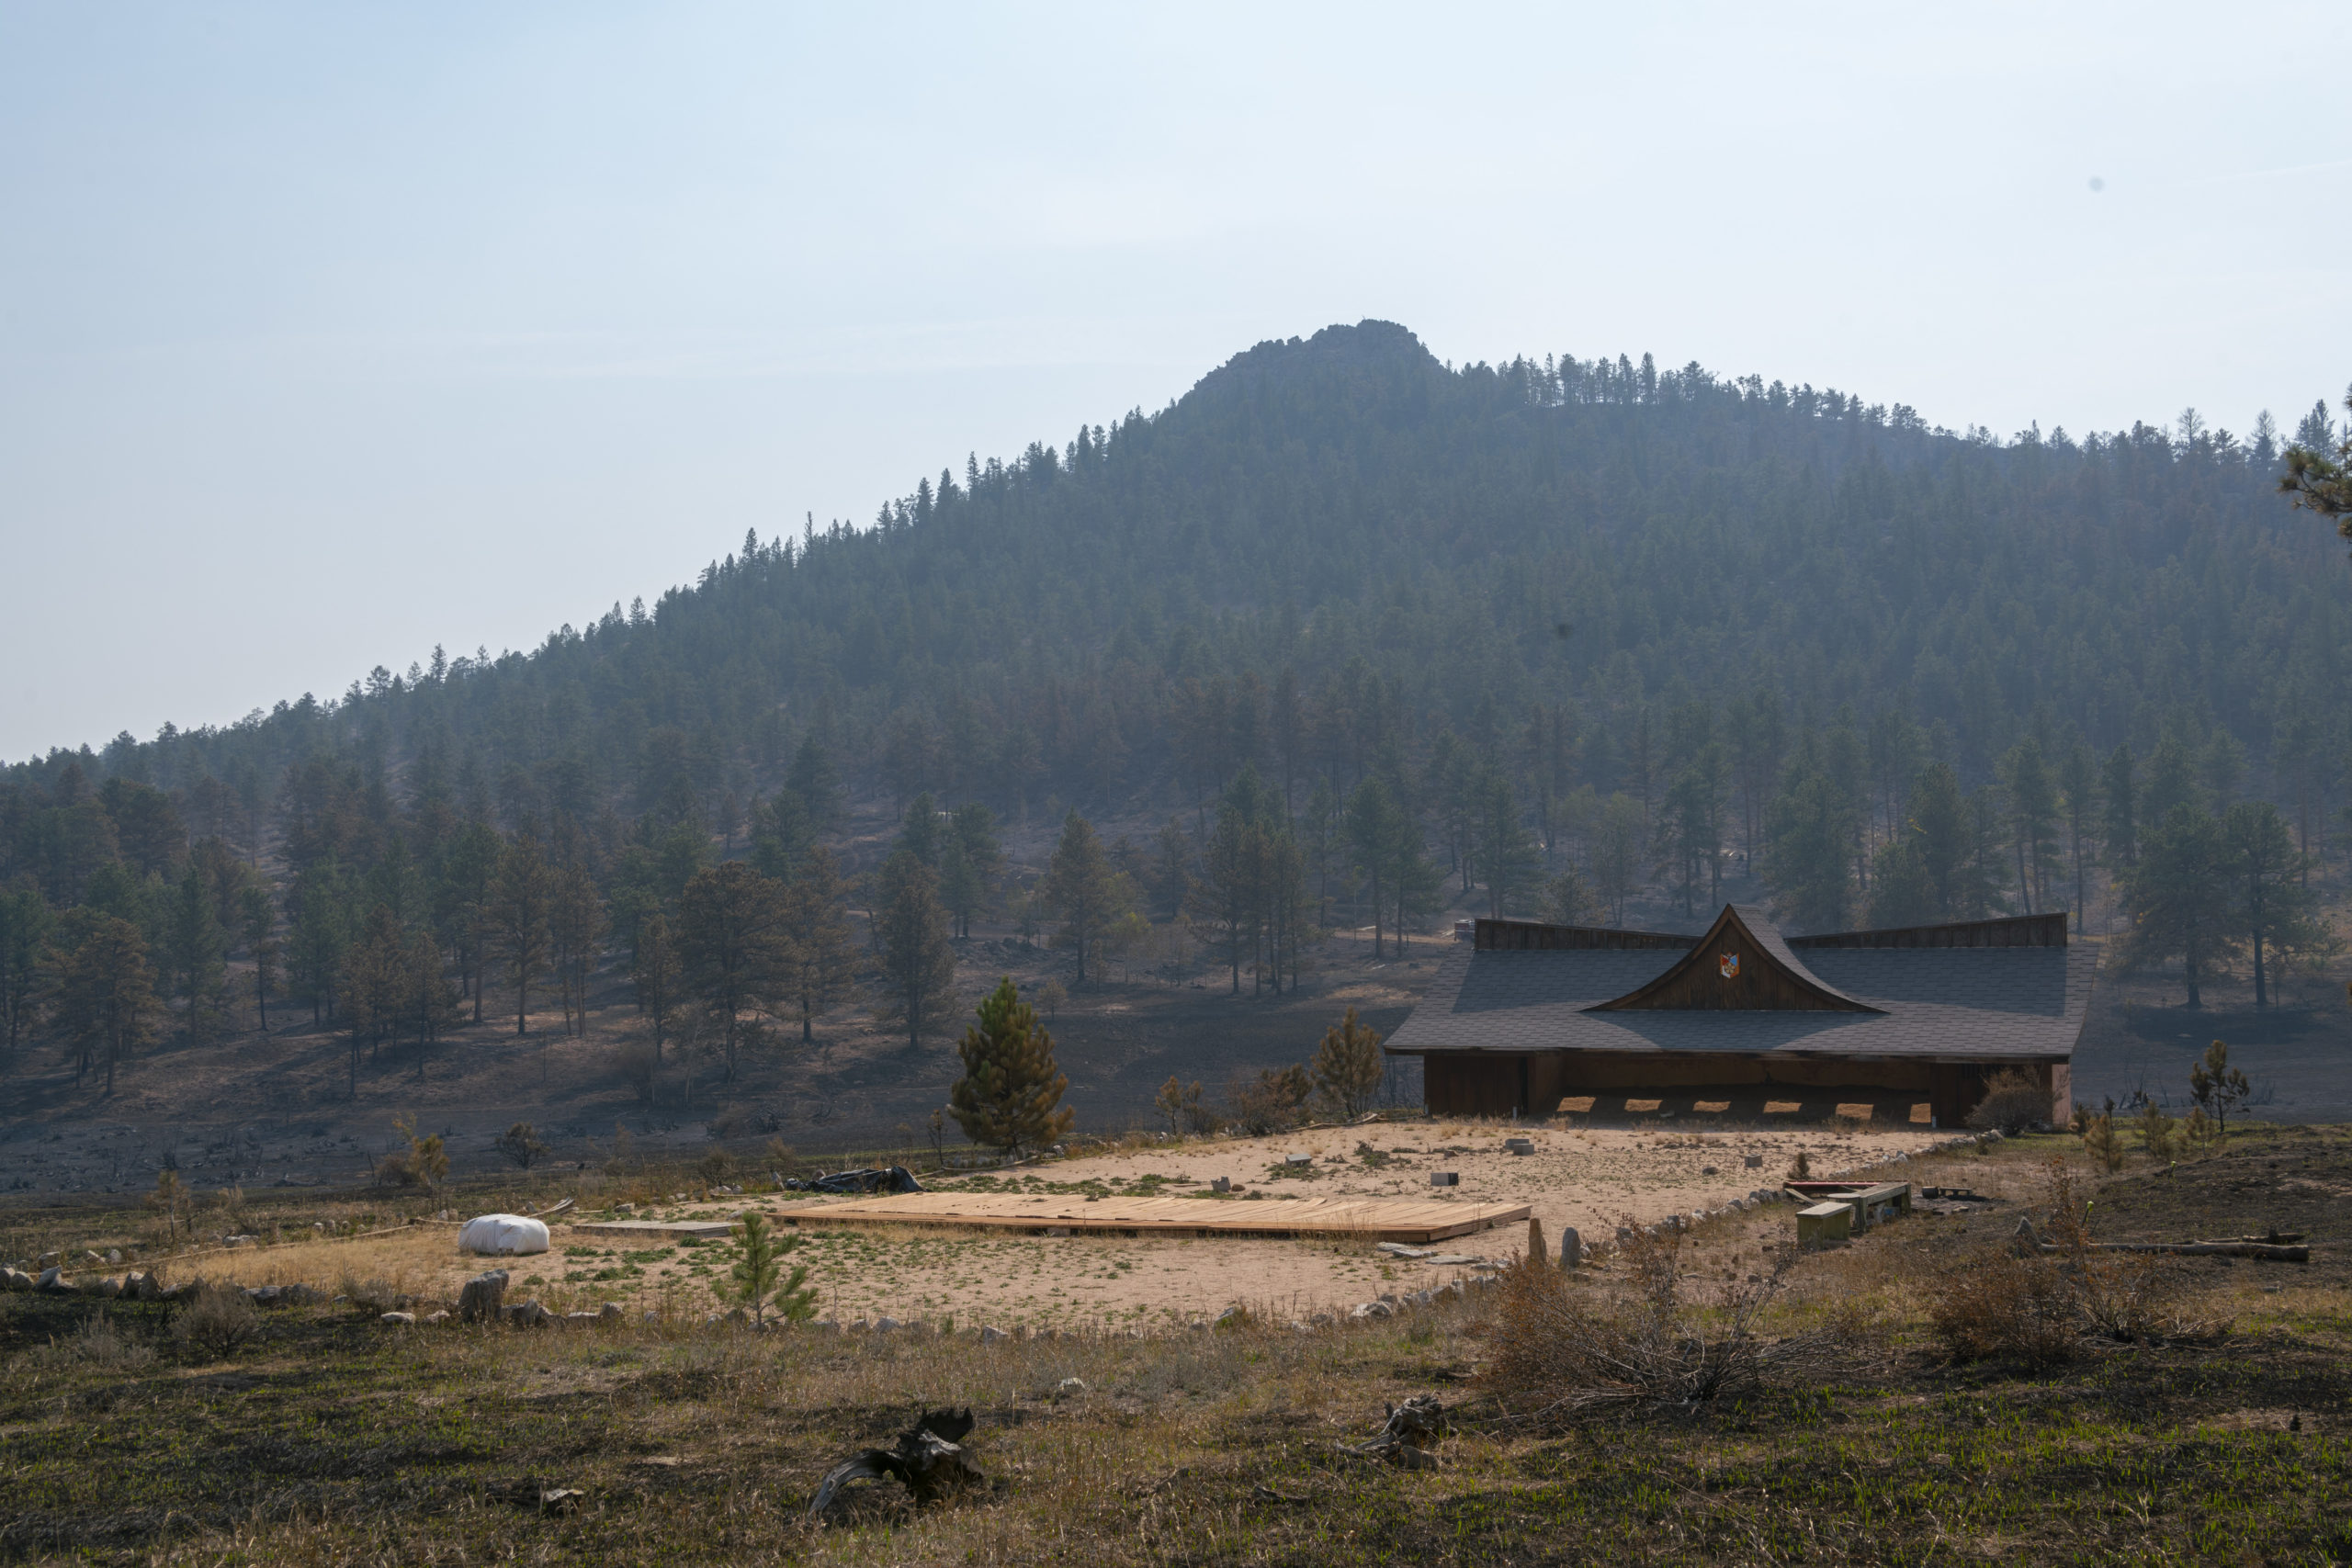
(1373, 1219)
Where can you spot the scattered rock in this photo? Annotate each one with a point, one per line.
(990, 1336)
(105, 1288)
(482, 1297)
(1363, 1310)
(1571, 1247)
(885, 1324)
(440, 1316)
(15, 1279)
(1070, 1388)
(394, 1319)
(609, 1312)
(53, 1283)
(529, 1315)
(584, 1319)
(562, 1500)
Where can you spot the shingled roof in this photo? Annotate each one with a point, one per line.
(1982, 989)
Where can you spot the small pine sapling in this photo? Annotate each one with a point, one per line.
(759, 1282)
(2099, 1138)
(2197, 1133)
(1801, 1168)
(2156, 1132)
(2218, 1088)
(1348, 1065)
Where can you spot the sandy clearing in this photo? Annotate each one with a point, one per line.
(1590, 1179)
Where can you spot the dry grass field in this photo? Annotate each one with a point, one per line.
(329, 1438)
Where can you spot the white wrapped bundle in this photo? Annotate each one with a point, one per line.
(502, 1235)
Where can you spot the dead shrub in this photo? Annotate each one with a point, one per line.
(99, 1342)
(2006, 1307)
(1576, 1346)
(2131, 1298)
(2042, 1308)
(2013, 1101)
(217, 1319)
(371, 1297)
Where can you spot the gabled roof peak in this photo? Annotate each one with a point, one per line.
(1742, 964)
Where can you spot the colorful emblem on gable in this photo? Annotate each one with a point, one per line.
(1729, 963)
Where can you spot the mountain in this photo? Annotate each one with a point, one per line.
(1417, 546)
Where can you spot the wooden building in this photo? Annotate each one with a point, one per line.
(1528, 1016)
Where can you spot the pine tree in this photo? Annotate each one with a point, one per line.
(1616, 853)
(1810, 831)
(655, 973)
(1349, 1066)
(1081, 887)
(2179, 897)
(969, 859)
(2274, 910)
(321, 931)
(1010, 1096)
(195, 944)
(736, 948)
(919, 833)
(519, 900)
(25, 922)
(259, 918)
(2078, 791)
(105, 1000)
(461, 904)
(575, 927)
(2318, 478)
(2033, 817)
(910, 928)
(2119, 824)
(814, 783)
(823, 958)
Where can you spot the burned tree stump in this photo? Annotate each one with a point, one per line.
(928, 1457)
(1420, 1420)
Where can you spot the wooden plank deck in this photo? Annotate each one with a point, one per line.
(1378, 1219)
(626, 1228)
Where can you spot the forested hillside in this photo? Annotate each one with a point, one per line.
(1353, 635)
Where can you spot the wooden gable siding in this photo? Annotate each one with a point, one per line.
(1762, 983)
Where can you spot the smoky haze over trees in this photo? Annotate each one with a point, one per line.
(1347, 637)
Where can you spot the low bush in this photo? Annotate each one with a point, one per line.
(2014, 1101)
(217, 1320)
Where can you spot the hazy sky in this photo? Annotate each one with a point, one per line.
(330, 332)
